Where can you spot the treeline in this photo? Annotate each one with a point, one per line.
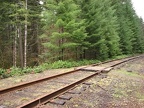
(37, 31)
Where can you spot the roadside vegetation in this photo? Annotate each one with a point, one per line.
(16, 71)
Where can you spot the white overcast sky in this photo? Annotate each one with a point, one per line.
(139, 7)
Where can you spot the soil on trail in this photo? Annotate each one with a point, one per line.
(123, 87)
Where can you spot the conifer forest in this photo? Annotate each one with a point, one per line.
(33, 32)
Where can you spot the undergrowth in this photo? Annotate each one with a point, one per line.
(68, 64)
(16, 71)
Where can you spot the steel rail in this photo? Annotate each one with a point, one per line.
(22, 85)
(126, 60)
(47, 97)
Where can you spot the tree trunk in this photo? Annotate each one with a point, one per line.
(25, 38)
(20, 46)
(15, 49)
(62, 41)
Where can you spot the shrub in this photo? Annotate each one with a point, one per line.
(27, 70)
(38, 69)
(68, 64)
(15, 71)
(3, 73)
(45, 66)
(60, 64)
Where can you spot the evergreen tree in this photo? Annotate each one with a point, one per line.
(12, 32)
(111, 29)
(129, 27)
(102, 29)
(34, 30)
(138, 44)
(64, 30)
(125, 14)
(6, 34)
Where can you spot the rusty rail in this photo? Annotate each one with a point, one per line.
(46, 98)
(22, 85)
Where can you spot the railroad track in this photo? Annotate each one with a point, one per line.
(52, 87)
(22, 85)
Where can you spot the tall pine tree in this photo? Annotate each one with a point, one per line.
(64, 30)
(102, 29)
